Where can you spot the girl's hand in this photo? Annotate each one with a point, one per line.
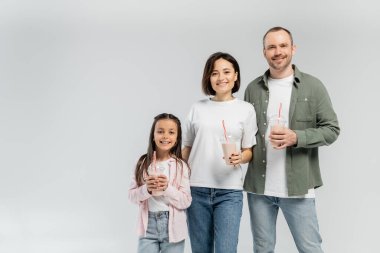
(151, 183)
(162, 182)
(156, 183)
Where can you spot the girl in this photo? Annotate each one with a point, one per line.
(216, 185)
(161, 189)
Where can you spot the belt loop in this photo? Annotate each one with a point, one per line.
(159, 214)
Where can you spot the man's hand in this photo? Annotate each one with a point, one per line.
(282, 137)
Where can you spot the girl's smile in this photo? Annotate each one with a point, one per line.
(165, 137)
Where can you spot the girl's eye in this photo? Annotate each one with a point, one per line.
(214, 74)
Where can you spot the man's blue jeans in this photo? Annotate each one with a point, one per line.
(214, 219)
(299, 213)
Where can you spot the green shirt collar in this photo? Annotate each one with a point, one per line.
(297, 77)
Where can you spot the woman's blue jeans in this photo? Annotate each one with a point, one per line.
(214, 219)
(299, 213)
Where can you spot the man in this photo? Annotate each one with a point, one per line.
(285, 169)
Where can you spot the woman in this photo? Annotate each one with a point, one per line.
(216, 187)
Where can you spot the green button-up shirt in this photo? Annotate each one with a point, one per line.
(311, 117)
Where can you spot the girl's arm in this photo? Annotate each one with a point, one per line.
(138, 194)
(180, 197)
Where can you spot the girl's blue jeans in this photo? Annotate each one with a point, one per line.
(157, 238)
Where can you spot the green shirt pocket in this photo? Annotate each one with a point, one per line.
(304, 113)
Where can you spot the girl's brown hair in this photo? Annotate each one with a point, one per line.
(145, 160)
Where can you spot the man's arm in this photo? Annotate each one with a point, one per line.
(327, 128)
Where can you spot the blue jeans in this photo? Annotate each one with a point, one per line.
(157, 238)
(299, 213)
(214, 219)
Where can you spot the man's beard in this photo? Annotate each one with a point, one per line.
(283, 65)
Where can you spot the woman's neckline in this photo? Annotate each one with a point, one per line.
(221, 101)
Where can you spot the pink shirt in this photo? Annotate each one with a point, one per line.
(179, 197)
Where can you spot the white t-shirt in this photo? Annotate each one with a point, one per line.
(275, 180)
(203, 132)
(159, 203)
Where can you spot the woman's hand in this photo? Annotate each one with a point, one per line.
(235, 158)
(243, 157)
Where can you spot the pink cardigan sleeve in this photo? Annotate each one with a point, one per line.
(138, 194)
(179, 195)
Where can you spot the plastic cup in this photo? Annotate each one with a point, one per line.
(159, 171)
(278, 124)
(228, 149)
(275, 123)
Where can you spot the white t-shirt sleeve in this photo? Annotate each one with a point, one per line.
(188, 130)
(250, 129)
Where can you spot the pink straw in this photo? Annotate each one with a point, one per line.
(279, 113)
(154, 161)
(225, 132)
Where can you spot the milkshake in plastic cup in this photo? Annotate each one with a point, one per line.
(275, 123)
(156, 173)
(228, 147)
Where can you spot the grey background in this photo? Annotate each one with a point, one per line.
(80, 82)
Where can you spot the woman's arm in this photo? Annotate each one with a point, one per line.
(180, 196)
(186, 153)
(243, 157)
